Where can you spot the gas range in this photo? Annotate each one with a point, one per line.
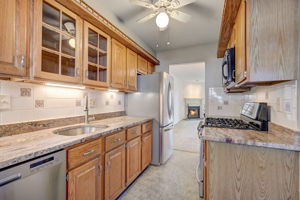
(229, 123)
(254, 116)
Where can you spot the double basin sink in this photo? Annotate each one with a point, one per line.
(79, 130)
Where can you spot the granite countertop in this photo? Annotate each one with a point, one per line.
(23, 147)
(277, 137)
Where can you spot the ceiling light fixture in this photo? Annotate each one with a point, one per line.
(65, 86)
(72, 43)
(162, 20)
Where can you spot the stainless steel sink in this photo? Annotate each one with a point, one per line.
(79, 130)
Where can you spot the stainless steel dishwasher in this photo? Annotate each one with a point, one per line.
(43, 178)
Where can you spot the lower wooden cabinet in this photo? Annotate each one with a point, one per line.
(85, 181)
(146, 150)
(115, 173)
(133, 159)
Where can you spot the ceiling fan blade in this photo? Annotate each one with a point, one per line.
(181, 3)
(180, 16)
(147, 17)
(143, 4)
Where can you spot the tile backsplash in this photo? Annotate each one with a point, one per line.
(282, 99)
(31, 102)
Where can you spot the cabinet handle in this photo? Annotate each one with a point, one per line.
(19, 61)
(77, 72)
(88, 152)
(117, 140)
(100, 170)
(108, 165)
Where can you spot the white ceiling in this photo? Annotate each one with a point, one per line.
(192, 72)
(203, 27)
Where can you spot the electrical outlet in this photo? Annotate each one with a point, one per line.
(107, 103)
(78, 103)
(25, 92)
(287, 107)
(219, 107)
(225, 102)
(5, 102)
(119, 102)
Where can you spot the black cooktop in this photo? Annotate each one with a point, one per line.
(229, 123)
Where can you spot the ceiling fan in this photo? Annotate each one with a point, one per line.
(163, 9)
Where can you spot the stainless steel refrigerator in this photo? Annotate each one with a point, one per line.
(155, 99)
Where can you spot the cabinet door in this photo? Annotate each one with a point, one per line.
(151, 68)
(118, 65)
(131, 70)
(142, 65)
(114, 173)
(13, 37)
(85, 181)
(240, 44)
(133, 157)
(57, 43)
(96, 56)
(146, 150)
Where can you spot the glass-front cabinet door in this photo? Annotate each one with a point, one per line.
(57, 42)
(96, 56)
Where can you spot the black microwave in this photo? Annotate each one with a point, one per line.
(228, 67)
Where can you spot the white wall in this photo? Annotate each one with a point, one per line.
(106, 12)
(56, 102)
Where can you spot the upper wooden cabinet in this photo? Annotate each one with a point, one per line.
(13, 37)
(57, 42)
(265, 37)
(239, 40)
(142, 65)
(131, 70)
(96, 56)
(118, 65)
(151, 68)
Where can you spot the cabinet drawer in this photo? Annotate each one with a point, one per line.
(114, 140)
(134, 132)
(147, 127)
(83, 153)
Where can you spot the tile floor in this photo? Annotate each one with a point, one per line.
(176, 179)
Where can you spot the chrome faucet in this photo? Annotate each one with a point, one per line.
(87, 119)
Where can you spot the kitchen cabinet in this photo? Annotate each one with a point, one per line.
(248, 172)
(96, 56)
(118, 65)
(85, 171)
(14, 18)
(57, 42)
(115, 164)
(131, 70)
(151, 68)
(133, 159)
(146, 149)
(142, 65)
(262, 56)
(85, 181)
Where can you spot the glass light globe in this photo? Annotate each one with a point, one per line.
(162, 20)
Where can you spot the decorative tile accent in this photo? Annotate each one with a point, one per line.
(78, 103)
(39, 103)
(25, 92)
(18, 128)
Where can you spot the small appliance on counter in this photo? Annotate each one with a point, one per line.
(228, 67)
(254, 116)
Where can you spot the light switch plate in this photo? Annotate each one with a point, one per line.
(5, 102)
